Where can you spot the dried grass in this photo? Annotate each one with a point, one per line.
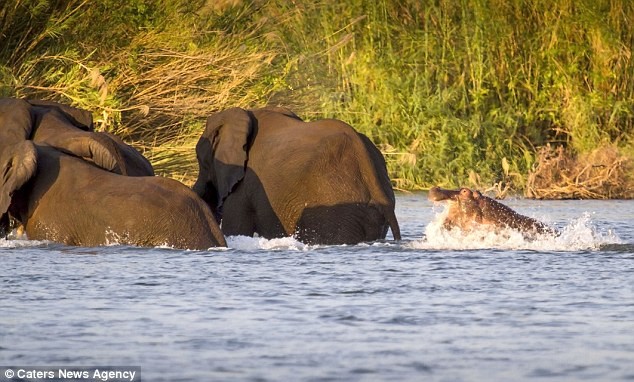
(604, 173)
(169, 94)
(176, 85)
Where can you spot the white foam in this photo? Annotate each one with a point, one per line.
(247, 243)
(578, 234)
(20, 242)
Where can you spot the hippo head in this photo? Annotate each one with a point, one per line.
(464, 207)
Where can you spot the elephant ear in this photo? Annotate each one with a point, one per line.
(18, 163)
(92, 147)
(222, 153)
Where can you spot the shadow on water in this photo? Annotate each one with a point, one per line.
(619, 248)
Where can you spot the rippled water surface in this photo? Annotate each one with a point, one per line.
(435, 307)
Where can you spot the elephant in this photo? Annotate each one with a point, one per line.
(62, 197)
(267, 172)
(469, 209)
(71, 201)
(71, 130)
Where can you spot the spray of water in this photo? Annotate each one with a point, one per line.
(578, 234)
(19, 241)
(247, 243)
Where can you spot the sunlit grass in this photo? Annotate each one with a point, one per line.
(453, 93)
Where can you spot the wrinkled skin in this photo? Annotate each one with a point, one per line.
(268, 172)
(61, 196)
(468, 209)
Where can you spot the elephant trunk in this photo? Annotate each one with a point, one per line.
(208, 194)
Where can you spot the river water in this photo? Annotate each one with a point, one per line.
(435, 307)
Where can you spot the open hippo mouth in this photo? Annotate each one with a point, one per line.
(437, 194)
(464, 210)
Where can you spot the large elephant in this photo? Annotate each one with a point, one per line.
(60, 196)
(469, 208)
(267, 172)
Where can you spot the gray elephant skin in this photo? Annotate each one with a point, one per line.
(267, 172)
(80, 190)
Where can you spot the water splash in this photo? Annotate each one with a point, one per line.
(247, 243)
(20, 242)
(578, 234)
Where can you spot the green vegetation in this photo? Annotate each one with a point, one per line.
(452, 92)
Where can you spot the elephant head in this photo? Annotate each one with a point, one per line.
(70, 130)
(222, 153)
(17, 155)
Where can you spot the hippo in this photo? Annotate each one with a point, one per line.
(469, 208)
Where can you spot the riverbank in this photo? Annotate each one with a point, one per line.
(453, 94)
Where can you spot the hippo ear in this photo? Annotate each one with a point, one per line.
(222, 154)
(18, 164)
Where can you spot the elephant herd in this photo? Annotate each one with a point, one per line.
(263, 172)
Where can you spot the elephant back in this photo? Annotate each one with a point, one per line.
(80, 118)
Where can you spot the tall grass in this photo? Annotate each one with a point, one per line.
(450, 87)
(453, 92)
